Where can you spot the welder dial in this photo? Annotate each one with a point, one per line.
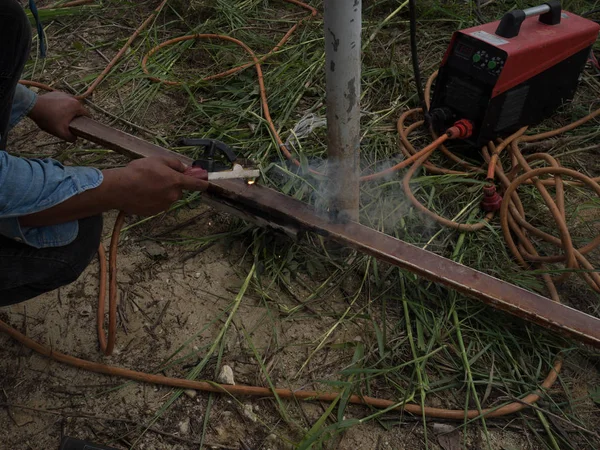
(481, 59)
(495, 65)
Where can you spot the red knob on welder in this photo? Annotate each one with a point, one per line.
(196, 172)
(492, 201)
(462, 129)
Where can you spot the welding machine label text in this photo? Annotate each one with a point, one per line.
(489, 38)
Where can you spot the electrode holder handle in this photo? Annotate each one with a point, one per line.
(214, 152)
(510, 25)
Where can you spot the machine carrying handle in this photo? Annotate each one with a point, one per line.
(510, 25)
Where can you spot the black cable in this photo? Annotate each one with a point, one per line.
(592, 56)
(590, 13)
(412, 7)
(478, 12)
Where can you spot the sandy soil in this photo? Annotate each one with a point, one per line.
(163, 303)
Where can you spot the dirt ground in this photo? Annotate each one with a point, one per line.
(172, 298)
(165, 301)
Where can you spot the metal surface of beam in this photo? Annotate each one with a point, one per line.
(288, 213)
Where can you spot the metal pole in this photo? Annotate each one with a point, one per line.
(343, 24)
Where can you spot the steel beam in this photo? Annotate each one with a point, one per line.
(280, 211)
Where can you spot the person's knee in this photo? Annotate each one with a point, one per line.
(35, 272)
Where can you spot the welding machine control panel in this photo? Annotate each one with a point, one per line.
(477, 59)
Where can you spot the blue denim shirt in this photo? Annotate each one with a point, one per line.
(31, 185)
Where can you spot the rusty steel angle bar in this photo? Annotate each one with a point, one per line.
(280, 211)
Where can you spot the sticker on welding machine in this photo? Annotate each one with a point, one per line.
(489, 38)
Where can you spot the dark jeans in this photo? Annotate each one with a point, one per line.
(26, 272)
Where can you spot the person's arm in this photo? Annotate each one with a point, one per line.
(23, 102)
(28, 186)
(145, 187)
(41, 200)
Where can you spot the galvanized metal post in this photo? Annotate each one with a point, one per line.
(343, 24)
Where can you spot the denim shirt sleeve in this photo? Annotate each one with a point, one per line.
(23, 103)
(28, 186)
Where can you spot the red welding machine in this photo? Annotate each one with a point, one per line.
(512, 73)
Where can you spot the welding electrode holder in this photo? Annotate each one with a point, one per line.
(215, 152)
(510, 25)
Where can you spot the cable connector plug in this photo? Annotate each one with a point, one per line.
(492, 201)
(462, 129)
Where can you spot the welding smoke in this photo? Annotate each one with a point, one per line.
(384, 207)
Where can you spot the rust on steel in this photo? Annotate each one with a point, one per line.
(287, 213)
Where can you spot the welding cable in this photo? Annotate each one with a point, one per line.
(591, 13)
(572, 257)
(107, 345)
(122, 51)
(512, 218)
(414, 53)
(255, 60)
(594, 61)
(518, 164)
(514, 221)
(256, 391)
(410, 152)
(424, 154)
(39, 26)
(409, 149)
(113, 62)
(462, 227)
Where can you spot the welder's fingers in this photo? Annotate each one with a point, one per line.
(174, 164)
(196, 172)
(192, 183)
(82, 111)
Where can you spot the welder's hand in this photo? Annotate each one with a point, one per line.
(151, 185)
(53, 112)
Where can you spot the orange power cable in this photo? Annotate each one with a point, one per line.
(256, 391)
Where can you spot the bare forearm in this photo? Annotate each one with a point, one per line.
(90, 203)
(144, 187)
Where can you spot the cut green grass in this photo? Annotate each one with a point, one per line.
(418, 341)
